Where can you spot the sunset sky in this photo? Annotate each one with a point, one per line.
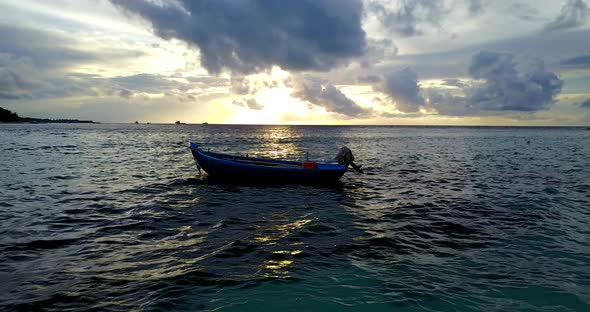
(463, 62)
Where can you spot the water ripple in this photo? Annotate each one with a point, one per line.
(115, 217)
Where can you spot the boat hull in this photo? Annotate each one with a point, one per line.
(222, 166)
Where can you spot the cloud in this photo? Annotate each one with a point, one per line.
(585, 104)
(369, 78)
(44, 49)
(124, 93)
(33, 63)
(552, 48)
(252, 36)
(12, 86)
(239, 85)
(404, 19)
(573, 14)
(454, 82)
(20, 78)
(522, 11)
(249, 103)
(504, 88)
(51, 50)
(243, 85)
(378, 51)
(23, 79)
(145, 83)
(323, 94)
(582, 61)
(448, 104)
(404, 89)
(476, 7)
(37, 64)
(501, 84)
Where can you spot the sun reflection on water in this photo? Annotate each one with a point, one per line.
(278, 232)
(280, 142)
(281, 264)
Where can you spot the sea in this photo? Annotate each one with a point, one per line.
(116, 217)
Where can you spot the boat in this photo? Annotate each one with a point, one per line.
(245, 168)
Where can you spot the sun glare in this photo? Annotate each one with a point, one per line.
(274, 98)
(276, 102)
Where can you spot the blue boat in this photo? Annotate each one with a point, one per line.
(264, 169)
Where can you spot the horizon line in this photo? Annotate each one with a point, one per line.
(344, 125)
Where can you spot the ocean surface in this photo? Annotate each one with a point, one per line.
(114, 217)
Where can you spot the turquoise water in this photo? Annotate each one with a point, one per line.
(116, 217)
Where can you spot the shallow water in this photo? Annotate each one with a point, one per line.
(116, 217)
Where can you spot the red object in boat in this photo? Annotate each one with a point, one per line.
(310, 165)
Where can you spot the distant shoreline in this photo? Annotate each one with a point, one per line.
(7, 116)
(47, 121)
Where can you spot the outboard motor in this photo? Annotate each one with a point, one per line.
(345, 157)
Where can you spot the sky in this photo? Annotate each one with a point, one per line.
(352, 62)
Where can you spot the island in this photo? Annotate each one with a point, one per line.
(10, 117)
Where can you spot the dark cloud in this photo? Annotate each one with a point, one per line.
(522, 11)
(243, 85)
(12, 86)
(377, 52)
(476, 7)
(369, 79)
(409, 18)
(582, 61)
(453, 82)
(446, 103)
(252, 35)
(404, 89)
(585, 104)
(239, 85)
(323, 94)
(506, 89)
(406, 18)
(124, 93)
(20, 78)
(19, 86)
(502, 84)
(249, 103)
(574, 13)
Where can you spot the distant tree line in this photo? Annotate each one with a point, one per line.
(8, 116)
